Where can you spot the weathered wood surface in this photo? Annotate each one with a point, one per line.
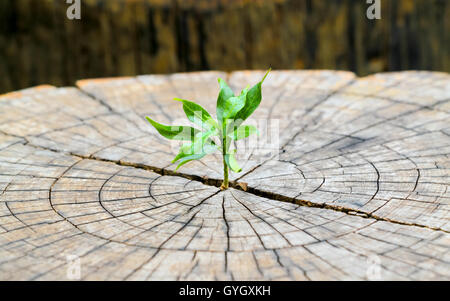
(358, 188)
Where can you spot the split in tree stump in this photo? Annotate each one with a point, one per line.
(357, 189)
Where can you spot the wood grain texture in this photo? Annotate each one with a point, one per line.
(356, 188)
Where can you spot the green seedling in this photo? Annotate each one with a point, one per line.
(215, 135)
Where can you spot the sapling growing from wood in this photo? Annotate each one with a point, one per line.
(215, 135)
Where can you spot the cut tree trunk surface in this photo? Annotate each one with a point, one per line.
(356, 187)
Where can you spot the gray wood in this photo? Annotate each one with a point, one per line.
(356, 189)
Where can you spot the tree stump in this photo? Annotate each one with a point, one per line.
(357, 188)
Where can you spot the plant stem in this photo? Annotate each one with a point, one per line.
(225, 174)
(225, 166)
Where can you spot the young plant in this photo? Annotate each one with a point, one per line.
(215, 135)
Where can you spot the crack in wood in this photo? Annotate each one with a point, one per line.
(372, 190)
(252, 190)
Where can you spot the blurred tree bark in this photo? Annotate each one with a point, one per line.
(38, 44)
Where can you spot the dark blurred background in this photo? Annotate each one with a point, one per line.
(38, 44)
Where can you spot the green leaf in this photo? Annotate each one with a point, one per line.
(232, 111)
(230, 123)
(184, 133)
(244, 131)
(253, 99)
(232, 106)
(202, 141)
(224, 94)
(232, 163)
(188, 153)
(225, 90)
(185, 150)
(202, 145)
(198, 115)
(189, 159)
